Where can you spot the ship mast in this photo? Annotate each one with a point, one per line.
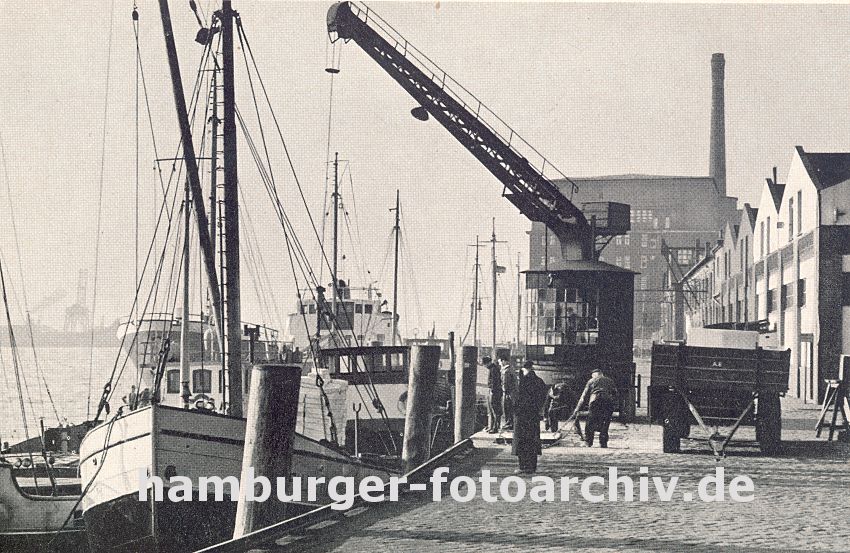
(231, 216)
(396, 230)
(335, 285)
(475, 296)
(518, 304)
(496, 270)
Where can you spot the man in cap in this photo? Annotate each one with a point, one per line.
(528, 402)
(601, 395)
(494, 401)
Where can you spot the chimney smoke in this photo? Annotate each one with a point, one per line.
(717, 154)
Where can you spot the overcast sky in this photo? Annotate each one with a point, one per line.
(600, 89)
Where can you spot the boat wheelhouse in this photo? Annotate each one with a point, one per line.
(361, 319)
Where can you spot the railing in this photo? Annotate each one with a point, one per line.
(460, 94)
(267, 334)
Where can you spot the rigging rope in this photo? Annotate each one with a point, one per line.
(100, 202)
(272, 189)
(161, 218)
(16, 364)
(39, 373)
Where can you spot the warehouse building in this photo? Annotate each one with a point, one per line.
(786, 262)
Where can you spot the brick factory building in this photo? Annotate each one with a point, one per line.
(682, 212)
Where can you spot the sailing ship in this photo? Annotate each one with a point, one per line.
(178, 428)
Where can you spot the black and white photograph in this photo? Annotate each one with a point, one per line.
(424, 276)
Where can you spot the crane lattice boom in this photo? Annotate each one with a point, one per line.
(526, 175)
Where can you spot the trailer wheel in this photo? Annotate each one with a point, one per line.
(671, 443)
(769, 423)
(628, 407)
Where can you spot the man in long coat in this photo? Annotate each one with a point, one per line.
(528, 402)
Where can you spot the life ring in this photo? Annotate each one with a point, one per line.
(204, 402)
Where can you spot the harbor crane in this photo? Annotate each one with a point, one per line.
(579, 310)
(528, 177)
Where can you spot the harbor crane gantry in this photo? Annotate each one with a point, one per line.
(528, 177)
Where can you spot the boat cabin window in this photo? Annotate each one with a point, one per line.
(202, 381)
(563, 316)
(172, 381)
(367, 308)
(358, 308)
(312, 308)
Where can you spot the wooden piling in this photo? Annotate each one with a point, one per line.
(424, 361)
(465, 393)
(269, 437)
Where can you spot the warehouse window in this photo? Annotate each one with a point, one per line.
(770, 299)
(799, 211)
(626, 240)
(801, 292)
(666, 222)
(786, 296)
(627, 262)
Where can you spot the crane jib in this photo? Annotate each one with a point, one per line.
(535, 195)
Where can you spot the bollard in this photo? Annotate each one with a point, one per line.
(424, 361)
(269, 435)
(465, 393)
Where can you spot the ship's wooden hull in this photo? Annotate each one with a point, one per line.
(163, 441)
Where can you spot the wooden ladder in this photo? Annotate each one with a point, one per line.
(837, 401)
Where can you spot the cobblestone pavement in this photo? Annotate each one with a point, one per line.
(801, 500)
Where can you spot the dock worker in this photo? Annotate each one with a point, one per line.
(509, 379)
(556, 405)
(600, 392)
(494, 400)
(528, 402)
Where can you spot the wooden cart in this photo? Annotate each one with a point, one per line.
(717, 387)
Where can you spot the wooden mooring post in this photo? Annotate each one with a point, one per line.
(465, 393)
(269, 436)
(424, 362)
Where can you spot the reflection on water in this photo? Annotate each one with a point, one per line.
(65, 370)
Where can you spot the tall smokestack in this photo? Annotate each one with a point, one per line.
(717, 155)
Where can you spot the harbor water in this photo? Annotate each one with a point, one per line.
(64, 371)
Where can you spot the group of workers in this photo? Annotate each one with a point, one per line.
(523, 397)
